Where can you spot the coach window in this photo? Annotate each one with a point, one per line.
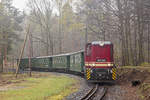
(88, 51)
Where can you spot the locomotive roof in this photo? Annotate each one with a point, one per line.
(100, 42)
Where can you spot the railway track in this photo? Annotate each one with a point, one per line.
(103, 93)
(91, 93)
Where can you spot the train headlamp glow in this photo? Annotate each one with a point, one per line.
(109, 64)
(94, 64)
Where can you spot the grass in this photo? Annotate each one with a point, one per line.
(146, 64)
(144, 91)
(136, 67)
(43, 88)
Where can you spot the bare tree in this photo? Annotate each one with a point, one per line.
(41, 14)
(123, 21)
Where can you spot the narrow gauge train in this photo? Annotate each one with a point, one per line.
(99, 63)
(96, 61)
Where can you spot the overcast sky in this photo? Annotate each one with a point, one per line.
(21, 4)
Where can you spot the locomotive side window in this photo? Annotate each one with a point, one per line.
(88, 50)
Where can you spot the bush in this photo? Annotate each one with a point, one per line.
(145, 64)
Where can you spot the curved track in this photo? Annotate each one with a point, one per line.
(91, 93)
(103, 93)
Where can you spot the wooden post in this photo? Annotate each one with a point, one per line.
(148, 42)
(1, 62)
(13, 64)
(30, 53)
(82, 61)
(22, 51)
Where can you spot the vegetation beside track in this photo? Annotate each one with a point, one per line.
(38, 87)
(127, 74)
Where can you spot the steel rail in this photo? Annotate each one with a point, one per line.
(90, 93)
(103, 93)
(93, 91)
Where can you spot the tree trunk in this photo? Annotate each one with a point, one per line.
(148, 42)
(60, 29)
(135, 42)
(121, 32)
(139, 5)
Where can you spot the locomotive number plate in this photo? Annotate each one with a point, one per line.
(100, 60)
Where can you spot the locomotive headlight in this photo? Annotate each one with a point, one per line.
(109, 64)
(94, 64)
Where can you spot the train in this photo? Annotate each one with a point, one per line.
(99, 62)
(96, 62)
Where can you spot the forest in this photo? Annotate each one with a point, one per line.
(64, 26)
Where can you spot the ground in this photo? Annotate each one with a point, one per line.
(123, 89)
(130, 74)
(41, 86)
(56, 86)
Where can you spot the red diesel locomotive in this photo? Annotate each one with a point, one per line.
(99, 62)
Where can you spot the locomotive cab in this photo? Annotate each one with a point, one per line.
(99, 62)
